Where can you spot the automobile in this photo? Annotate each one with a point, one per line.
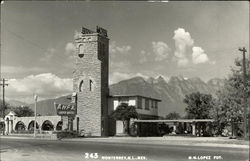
(82, 133)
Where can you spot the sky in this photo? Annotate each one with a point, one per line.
(148, 39)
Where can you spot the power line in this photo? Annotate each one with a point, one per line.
(27, 40)
(60, 60)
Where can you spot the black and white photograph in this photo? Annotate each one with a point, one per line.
(124, 80)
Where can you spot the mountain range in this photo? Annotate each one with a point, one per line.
(171, 92)
(15, 103)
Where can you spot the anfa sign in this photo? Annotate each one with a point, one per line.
(62, 109)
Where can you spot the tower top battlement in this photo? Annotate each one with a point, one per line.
(99, 30)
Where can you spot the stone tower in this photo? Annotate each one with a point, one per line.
(90, 81)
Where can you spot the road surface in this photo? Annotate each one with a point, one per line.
(55, 150)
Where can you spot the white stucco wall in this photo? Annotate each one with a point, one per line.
(115, 103)
(132, 102)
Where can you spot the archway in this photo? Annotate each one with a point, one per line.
(47, 126)
(59, 125)
(31, 126)
(19, 126)
(81, 86)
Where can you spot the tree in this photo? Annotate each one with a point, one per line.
(7, 107)
(230, 97)
(23, 111)
(219, 116)
(124, 112)
(198, 107)
(173, 116)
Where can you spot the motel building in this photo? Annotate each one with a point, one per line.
(146, 107)
(87, 111)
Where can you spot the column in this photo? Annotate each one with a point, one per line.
(174, 128)
(11, 126)
(193, 129)
(77, 125)
(71, 119)
(7, 126)
(65, 121)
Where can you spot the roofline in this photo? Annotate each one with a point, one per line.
(181, 120)
(135, 96)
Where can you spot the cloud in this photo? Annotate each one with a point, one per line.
(119, 64)
(143, 57)
(115, 49)
(70, 49)
(46, 85)
(48, 54)
(182, 62)
(199, 56)
(182, 41)
(119, 56)
(19, 69)
(161, 50)
(123, 49)
(212, 62)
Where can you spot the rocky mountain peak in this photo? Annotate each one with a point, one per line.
(176, 79)
(134, 80)
(196, 80)
(216, 82)
(160, 80)
(150, 80)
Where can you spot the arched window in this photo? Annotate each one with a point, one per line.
(47, 126)
(81, 52)
(59, 125)
(20, 126)
(90, 85)
(31, 125)
(81, 86)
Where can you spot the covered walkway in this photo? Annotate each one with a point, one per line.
(186, 122)
(14, 124)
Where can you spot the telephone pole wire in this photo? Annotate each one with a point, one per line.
(243, 50)
(3, 84)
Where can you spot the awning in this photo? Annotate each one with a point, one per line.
(172, 121)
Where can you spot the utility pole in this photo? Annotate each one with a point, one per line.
(35, 98)
(243, 50)
(3, 108)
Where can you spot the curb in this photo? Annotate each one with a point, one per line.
(23, 138)
(162, 142)
(168, 142)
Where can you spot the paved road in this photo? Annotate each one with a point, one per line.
(54, 150)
